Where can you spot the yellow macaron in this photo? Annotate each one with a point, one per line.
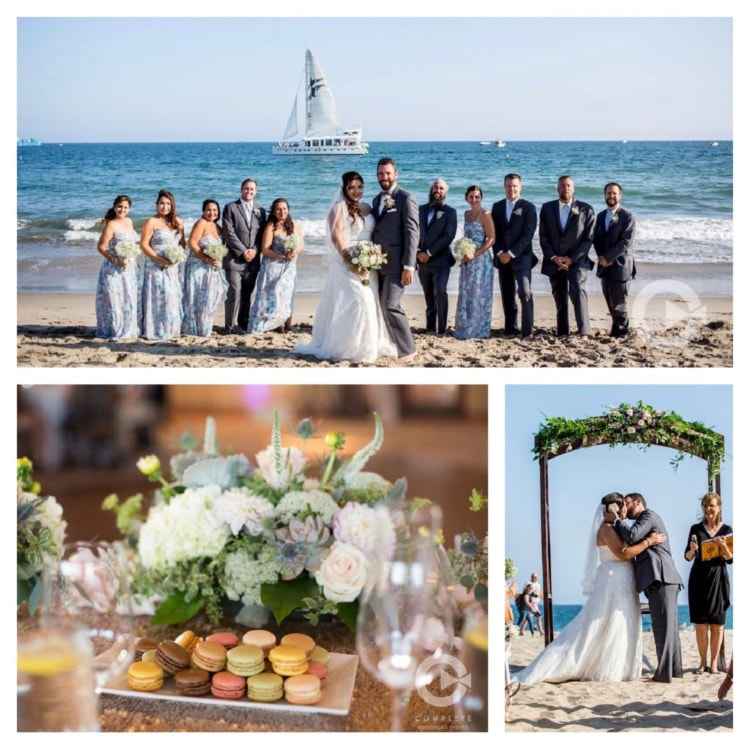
(288, 661)
(299, 640)
(187, 640)
(145, 676)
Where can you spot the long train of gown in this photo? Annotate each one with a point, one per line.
(603, 642)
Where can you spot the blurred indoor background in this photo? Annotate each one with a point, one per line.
(84, 439)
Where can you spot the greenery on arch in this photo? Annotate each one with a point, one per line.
(625, 424)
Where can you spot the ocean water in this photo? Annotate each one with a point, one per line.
(681, 193)
(562, 614)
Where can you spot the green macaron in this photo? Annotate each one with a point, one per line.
(245, 661)
(266, 687)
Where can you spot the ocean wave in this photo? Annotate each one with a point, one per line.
(79, 224)
(80, 235)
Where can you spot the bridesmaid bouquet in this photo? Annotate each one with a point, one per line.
(365, 257)
(175, 254)
(127, 250)
(464, 248)
(215, 250)
(291, 243)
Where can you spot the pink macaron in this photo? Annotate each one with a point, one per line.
(226, 639)
(228, 685)
(319, 670)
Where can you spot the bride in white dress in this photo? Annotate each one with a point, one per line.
(349, 322)
(603, 642)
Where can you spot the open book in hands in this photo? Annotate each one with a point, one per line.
(710, 548)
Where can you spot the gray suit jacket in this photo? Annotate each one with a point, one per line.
(239, 235)
(397, 231)
(655, 563)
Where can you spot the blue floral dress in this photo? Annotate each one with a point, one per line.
(274, 292)
(203, 290)
(117, 295)
(161, 297)
(474, 308)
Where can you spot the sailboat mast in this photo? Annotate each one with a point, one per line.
(308, 79)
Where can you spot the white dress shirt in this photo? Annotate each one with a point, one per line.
(564, 213)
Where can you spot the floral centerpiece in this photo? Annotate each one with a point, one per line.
(40, 534)
(464, 248)
(365, 256)
(275, 537)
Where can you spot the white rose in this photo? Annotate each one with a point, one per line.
(292, 463)
(343, 573)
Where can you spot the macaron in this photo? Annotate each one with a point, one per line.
(245, 660)
(288, 661)
(319, 670)
(228, 685)
(142, 645)
(226, 639)
(303, 690)
(193, 682)
(266, 687)
(187, 640)
(320, 655)
(149, 656)
(264, 639)
(145, 676)
(172, 657)
(299, 640)
(209, 656)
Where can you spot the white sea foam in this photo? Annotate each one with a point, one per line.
(79, 224)
(80, 235)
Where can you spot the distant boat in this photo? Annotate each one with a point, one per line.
(485, 143)
(320, 133)
(715, 143)
(23, 142)
(624, 140)
(500, 144)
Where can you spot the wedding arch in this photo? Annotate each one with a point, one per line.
(625, 424)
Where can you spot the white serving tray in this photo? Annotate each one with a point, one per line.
(337, 692)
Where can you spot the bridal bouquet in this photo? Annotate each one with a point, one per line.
(464, 248)
(40, 534)
(274, 537)
(126, 250)
(216, 250)
(175, 254)
(364, 257)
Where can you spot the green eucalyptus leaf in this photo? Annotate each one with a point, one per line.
(176, 609)
(283, 597)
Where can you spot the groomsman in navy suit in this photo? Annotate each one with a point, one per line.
(614, 238)
(566, 229)
(515, 223)
(437, 229)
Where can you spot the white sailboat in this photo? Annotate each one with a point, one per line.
(320, 133)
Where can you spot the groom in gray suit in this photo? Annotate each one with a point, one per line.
(397, 231)
(656, 575)
(242, 227)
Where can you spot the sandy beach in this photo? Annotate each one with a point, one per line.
(58, 330)
(688, 703)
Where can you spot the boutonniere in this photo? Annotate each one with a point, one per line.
(256, 212)
(388, 202)
(439, 214)
(518, 212)
(575, 210)
(614, 219)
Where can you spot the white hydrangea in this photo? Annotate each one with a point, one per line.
(293, 461)
(368, 480)
(186, 528)
(244, 574)
(357, 524)
(240, 508)
(293, 503)
(50, 515)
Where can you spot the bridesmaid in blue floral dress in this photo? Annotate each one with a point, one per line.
(161, 296)
(205, 285)
(474, 308)
(274, 291)
(117, 288)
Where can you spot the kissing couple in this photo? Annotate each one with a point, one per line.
(603, 642)
(360, 318)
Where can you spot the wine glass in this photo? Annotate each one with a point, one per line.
(401, 622)
(88, 590)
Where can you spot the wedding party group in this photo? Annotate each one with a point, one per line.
(629, 553)
(247, 260)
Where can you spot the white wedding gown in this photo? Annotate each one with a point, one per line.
(603, 642)
(349, 322)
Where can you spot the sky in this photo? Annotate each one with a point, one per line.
(92, 80)
(579, 480)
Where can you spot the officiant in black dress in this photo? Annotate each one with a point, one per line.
(708, 585)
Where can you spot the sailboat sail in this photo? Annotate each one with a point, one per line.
(291, 124)
(321, 108)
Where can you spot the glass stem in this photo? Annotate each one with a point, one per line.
(400, 700)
